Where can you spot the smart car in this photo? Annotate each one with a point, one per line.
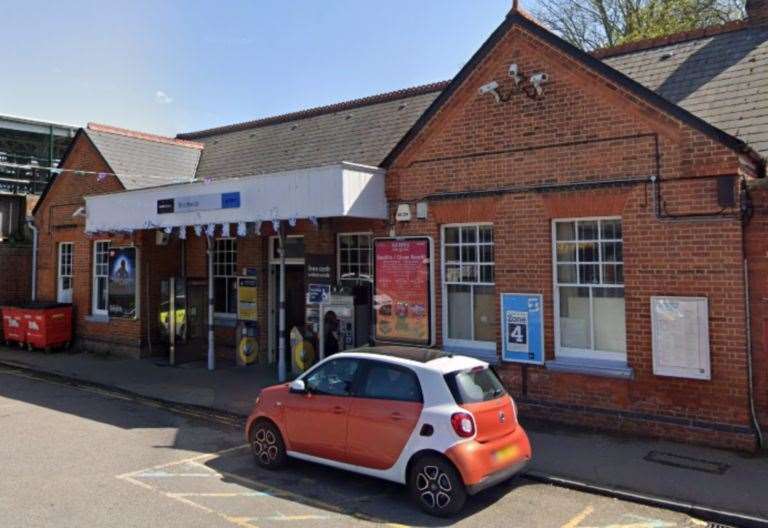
(442, 424)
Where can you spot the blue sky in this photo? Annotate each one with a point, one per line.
(172, 66)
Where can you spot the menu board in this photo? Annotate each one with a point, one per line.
(680, 337)
(402, 290)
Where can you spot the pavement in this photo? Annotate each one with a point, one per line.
(75, 455)
(721, 485)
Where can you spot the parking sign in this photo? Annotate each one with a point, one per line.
(522, 328)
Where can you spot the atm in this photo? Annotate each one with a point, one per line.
(337, 317)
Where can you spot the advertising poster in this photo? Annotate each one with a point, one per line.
(522, 328)
(247, 297)
(318, 270)
(402, 290)
(122, 282)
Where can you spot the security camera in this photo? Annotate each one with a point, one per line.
(514, 72)
(537, 80)
(491, 88)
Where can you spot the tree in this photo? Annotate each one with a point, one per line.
(591, 24)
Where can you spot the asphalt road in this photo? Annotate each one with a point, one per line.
(81, 457)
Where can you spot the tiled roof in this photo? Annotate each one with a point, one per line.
(718, 74)
(361, 131)
(145, 160)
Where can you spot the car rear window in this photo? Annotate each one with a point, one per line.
(473, 386)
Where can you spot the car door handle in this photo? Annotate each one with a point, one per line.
(396, 416)
(338, 410)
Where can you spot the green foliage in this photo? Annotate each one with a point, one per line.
(591, 24)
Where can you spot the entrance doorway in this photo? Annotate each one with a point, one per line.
(294, 306)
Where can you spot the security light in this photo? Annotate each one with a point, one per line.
(514, 72)
(537, 80)
(491, 88)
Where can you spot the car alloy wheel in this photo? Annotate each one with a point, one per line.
(437, 487)
(267, 445)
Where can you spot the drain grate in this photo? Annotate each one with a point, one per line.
(686, 462)
(718, 525)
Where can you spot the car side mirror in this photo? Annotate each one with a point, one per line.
(298, 387)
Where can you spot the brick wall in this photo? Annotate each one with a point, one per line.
(15, 274)
(585, 129)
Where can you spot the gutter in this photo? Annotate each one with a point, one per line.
(31, 224)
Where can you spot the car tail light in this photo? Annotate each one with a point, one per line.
(463, 424)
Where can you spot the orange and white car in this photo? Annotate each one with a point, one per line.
(442, 424)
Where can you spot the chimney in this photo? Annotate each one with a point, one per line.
(757, 11)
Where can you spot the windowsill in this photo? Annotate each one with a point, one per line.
(97, 318)
(593, 367)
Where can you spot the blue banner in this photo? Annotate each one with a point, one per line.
(522, 328)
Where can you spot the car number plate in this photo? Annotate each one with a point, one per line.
(505, 453)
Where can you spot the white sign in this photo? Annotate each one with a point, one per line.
(680, 337)
(403, 213)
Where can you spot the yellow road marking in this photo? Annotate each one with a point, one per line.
(579, 517)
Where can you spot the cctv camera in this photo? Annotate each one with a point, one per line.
(537, 80)
(514, 72)
(491, 88)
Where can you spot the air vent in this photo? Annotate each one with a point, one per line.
(666, 55)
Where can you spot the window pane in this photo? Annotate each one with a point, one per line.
(589, 274)
(611, 229)
(469, 253)
(486, 233)
(588, 252)
(364, 256)
(391, 383)
(459, 312)
(486, 253)
(566, 252)
(334, 378)
(468, 234)
(346, 242)
(453, 274)
(485, 322)
(469, 273)
(587, 230)
(612, 251)
(566, 273)
(610, 324)
(486, 273)
(574, 317)
(451, 235)
(451, 253)
(101, 293)
(565, 231)
(220, 294)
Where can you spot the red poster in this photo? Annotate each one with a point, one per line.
(402, 290)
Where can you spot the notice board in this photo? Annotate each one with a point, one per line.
(522, 328)
(402, 297)
(680, 337)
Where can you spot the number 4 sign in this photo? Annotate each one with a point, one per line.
(522, 328)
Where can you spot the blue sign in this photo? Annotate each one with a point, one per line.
(522, 328)
(230, 200)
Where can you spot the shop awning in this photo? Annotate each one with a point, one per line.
(341, 190)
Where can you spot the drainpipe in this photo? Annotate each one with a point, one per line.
(211, 353)
(31, 224)
(281, 370)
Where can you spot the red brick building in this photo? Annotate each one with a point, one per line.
(538, 169)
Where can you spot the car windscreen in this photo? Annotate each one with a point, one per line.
(473, 386)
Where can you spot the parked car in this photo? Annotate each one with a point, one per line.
(440, 423)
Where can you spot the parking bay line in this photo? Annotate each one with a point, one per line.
(579, 517)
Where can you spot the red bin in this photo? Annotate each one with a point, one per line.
(13, 324)
(47, 325)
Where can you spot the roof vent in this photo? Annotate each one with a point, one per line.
(348, 117)
(294, 127)
(666, 55)
(402, 106)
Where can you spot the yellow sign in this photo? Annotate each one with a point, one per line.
(247, 296)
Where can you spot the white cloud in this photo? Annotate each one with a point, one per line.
(163, 98)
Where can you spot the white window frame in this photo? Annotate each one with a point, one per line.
(95, 276)
(463, 343)
(579, 353)
(225, 315)
(60, 275)
(368, 278)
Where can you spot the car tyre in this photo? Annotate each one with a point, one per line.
(267, 445)
(436, 486)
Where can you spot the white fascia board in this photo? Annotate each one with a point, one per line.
(341, 190)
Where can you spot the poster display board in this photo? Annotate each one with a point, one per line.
(680, 337)
(522, 328)
(247, 293)
(123, 281)
(318, 271)
(402, 297)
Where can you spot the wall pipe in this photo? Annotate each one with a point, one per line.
(211, 344)
(33, 227)
(281, 364)
(750, 374)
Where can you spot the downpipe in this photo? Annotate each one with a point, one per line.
(33, 227)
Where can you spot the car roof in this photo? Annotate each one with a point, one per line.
(428, 358)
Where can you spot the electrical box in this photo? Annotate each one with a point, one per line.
(681, 337)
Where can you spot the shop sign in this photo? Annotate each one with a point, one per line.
(201, 202)
(402, 290)
(318, 293)
(123, 272)
(247, 305)
(522, 328)
(318, 271)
